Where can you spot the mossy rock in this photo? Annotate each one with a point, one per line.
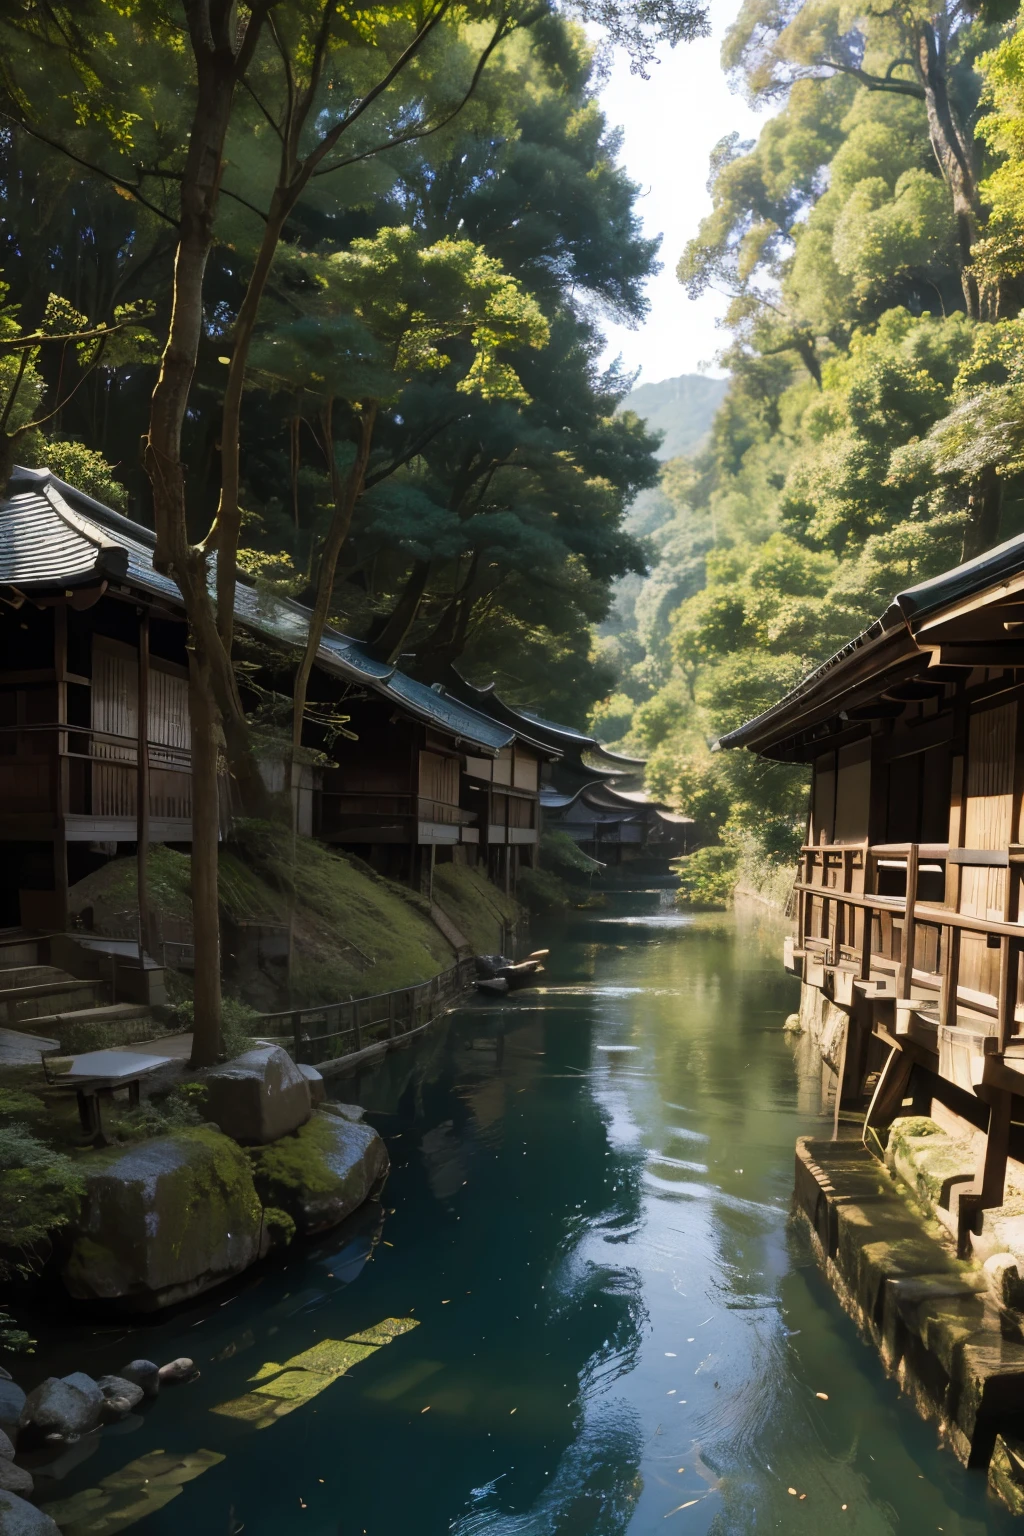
(322, 1173)
(163, 1220)
(927, 1159)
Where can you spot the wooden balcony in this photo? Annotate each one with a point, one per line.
(953, 972)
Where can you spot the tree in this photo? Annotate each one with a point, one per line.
(909, 51)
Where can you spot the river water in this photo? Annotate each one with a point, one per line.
(582, 1311)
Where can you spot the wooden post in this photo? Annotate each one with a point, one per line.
(142, 789)
(954, 878)
(905, 980)
(63, 785)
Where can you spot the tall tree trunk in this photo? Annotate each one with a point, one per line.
(206, 1028)
(222, 49)
(954, 153)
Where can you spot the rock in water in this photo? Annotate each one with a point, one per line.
(12, 1401)
(15, 1479)
(17, 1518)
(145, 1374)
(182, 1369)
(67, 1406)
(322, 1173)
(163, 1220)
(120, 1396)
(258, 1097)
(6, 1447)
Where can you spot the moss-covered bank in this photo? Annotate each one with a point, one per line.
(475, 906)
(355, 933)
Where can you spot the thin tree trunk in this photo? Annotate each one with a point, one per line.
(985, 506)
(229, 512)
(387, 644)
(206, 1028)
(346, 495)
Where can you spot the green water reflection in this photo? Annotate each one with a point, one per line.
(587, 1221)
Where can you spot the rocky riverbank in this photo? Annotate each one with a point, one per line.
(162, 1219)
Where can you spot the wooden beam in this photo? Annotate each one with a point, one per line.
(905, 974)
(63, 806)
(142, 788)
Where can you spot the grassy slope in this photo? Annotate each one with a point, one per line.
(355, 932)
(474, 905)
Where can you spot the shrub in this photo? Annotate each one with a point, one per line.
(39, 1192)
(542, 891)
(708, 877)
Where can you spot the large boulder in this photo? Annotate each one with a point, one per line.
(163, 1220)
(67, 1406)
(322, 1173)
(14, 1479)
(12, 1401)
(19, 1518)
(258, 1097)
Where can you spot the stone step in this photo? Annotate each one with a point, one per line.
(32, 1002)
(30, 976)
(102, 1013)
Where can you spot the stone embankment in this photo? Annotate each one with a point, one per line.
(947, 1329)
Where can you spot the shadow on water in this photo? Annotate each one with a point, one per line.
(582, 1311)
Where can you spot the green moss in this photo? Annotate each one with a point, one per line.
(297, 1162)
(279, 1225)
(203, 1194)
(476, 907)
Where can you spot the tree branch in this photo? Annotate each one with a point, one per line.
(876, 82)
(97, 170)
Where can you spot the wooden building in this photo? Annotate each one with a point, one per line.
(910, 929)
(92, 641)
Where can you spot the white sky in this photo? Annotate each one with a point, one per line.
(671, 123)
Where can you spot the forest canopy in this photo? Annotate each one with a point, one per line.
(869, 242)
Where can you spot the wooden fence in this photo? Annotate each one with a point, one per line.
(323, 1034)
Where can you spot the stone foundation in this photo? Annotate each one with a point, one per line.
(954, 1350)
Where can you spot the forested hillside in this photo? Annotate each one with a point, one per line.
(873, 430)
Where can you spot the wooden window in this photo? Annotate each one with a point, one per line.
(439, 778)
(526, 766)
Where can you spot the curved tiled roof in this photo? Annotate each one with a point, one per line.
(53, 536)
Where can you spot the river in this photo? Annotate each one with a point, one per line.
(603, 1322)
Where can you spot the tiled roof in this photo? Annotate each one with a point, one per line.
(52, 536)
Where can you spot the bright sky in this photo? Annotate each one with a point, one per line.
(671, 124)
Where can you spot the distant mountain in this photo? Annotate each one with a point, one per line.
(682, 408)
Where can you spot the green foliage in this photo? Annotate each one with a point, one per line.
(707, 878)
(542, 891)
(560, 852)
(39, 1191)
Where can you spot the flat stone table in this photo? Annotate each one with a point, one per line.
(99, 1073)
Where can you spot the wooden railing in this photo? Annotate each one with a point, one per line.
(321, 1034)
(837, 895)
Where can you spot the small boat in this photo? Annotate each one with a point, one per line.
(524, 974)
(495, 985)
